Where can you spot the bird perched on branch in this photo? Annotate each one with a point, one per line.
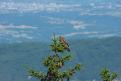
(64, 43)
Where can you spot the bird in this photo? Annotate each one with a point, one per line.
(64, 43)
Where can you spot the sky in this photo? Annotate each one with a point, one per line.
(36, 20)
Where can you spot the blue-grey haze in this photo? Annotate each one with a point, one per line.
(95, 24)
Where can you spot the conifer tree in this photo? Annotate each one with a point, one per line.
(107, 75)
(55, 62)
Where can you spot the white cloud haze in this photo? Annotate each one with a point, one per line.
(80, 33)
(15, 31)
(78, 24)
(112, 9)
(10, 26)
(28, 7)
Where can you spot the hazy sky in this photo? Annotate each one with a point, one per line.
(37, 19)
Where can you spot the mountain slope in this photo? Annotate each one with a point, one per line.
(94, 54)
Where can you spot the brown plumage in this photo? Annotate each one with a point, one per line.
(64, 43)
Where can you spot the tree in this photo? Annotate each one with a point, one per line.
(55, 62)
(106, 75)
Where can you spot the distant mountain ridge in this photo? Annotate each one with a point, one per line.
(94, 54)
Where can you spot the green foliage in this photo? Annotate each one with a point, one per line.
(36, 74)
(78, 67)
(66, 58)
(106, 75)
(56, 46)
(54, 63)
